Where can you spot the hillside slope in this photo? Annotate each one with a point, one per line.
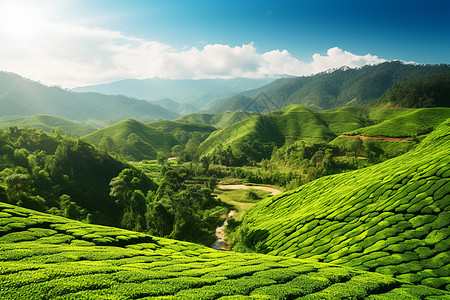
(134, 140)
(48, 257)
(327, 90)
(219, 120)
(407, 123)
(23, 97)
(263, 132)
(392, 218)
(47, 123)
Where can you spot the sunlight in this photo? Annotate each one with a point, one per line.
(22, 19)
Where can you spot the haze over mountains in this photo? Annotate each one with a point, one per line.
(182, 96)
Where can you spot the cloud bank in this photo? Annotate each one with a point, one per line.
(68, 55)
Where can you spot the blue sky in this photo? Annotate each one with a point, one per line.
(228, 38)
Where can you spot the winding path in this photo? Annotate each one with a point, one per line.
(378, 138)
(272, 191)
(220, 243)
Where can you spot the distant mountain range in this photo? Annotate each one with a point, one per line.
(332, 89)
(23, 97)
(182, 96)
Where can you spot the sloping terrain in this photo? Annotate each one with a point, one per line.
(23, 97)
(48, 257)
(175, 127)
(392, 218)
(327, 90)
(220, 120)
(134, 140)
(47, 123)
(407, 123)
(295, 121)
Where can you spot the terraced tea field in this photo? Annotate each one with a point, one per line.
(392, 218)
(49, 257)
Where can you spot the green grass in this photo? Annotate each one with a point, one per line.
(149, 140)
(294, 121)
(175, 127)
(220, 120)
(49, 257)
(392, 218)
(405, 122)
(47, 123)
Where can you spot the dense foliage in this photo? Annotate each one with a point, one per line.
(331, 89)
(59, 174)
(431, 91)
(390, 218)
(49, 257)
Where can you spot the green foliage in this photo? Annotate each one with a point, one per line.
(219, 120)
(390, 218)
(48, 123)
(49, 257)
(409, 123)
(430, 91)
(61, 175)
(338, 88)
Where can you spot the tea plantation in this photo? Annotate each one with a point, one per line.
(49, 257)
(392, 218)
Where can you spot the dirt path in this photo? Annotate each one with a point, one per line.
(220, 243)
(378, 138)
(272, 191)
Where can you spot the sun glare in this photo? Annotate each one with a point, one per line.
(22, 19)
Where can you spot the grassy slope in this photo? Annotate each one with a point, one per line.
(174, 127)
(392, 218)
(151, 140)
(294, 121)
(220, 120)
(44, 256)
(405, 123)
(47, 123)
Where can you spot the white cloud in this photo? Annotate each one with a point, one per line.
(71, 56)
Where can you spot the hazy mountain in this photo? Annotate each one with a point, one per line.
(200, 91)
(327, 90)
(23, 97)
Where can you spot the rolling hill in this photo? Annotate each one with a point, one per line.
(175, 127)
(220, 120)
(47, 123)
(49, 257)
(134, 140)
(293, 122)
(336, 88)
(23, 97)
(407, 123)
(392, 218)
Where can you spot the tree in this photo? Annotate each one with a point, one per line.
(106, 144)
(162, 158)
(17, 185)
(356, 146)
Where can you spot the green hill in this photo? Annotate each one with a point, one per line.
(23, 97)
(407, 123)
(49, 257)
(220, 120)
(261, 133)
(392, 218)
(430, 91)
(175, 127)
(328, 90)
(47, 123)
(134, 140)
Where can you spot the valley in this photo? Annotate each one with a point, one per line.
(331, 186)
